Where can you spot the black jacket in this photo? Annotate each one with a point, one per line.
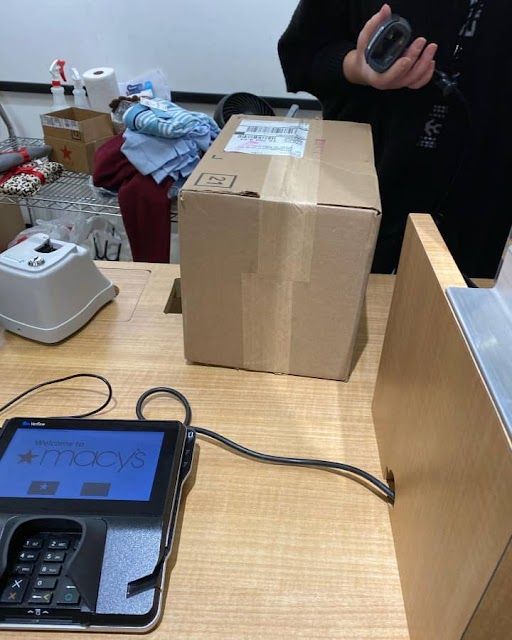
(432, 154)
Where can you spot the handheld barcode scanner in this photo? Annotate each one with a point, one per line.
(389, 43)
(87, 514)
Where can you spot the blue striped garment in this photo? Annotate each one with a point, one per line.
(171, 121)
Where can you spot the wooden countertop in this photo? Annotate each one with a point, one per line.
(261, 551)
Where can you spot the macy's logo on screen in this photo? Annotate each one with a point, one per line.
(108, 459)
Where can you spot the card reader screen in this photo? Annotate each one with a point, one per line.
(80, 464)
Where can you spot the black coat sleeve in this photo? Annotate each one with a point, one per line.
(314, 45)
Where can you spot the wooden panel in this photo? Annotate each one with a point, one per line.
(440, 435)
(264, 551)
(493, 618)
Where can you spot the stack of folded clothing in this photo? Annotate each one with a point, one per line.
(147, 165)
(28, 178)
(164, 140)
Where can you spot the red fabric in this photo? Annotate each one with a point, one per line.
(144, 203)
(24, 154)
(23, 171)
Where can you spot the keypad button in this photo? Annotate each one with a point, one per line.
(11, 596)
(68, 593)
(23, 569)
(58, 543)
(49, 570)
(28, 556)
(33, 543)
(41, 597)
(19, 584)
(15, 590)
(54, 556)
(37, 563)
(45, 583)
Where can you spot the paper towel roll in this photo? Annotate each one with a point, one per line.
(102, 88)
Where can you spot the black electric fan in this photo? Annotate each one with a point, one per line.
(246, 103)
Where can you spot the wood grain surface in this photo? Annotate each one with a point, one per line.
(261, 551)
(492, 619)
(440, 434)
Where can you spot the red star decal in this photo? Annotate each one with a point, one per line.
(66, 153)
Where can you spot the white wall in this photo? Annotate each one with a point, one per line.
(23, 110)
(204, 46)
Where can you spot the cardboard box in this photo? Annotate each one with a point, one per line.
(75, 156)
(276, 249)
(11, 223)
(82, 125)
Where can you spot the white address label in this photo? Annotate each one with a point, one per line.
(157, 103)
(60, 123)
(271, 138)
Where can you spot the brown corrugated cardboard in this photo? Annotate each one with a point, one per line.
(276, 251)
(75, 156)
(75, 124)
(11, 223)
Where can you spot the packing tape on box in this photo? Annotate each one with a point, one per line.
(287, 220)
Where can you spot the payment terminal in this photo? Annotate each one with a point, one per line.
(87, 513)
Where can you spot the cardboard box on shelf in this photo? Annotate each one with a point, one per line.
(278, 225)
(75, 156)
(82, 125)
(75, 134)
(11, 223)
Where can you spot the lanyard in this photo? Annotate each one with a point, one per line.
(468, 29)
(447, 80)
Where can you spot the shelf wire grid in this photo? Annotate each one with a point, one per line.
(71, 192)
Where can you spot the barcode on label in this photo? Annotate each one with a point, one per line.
(283, 130)
(269, 138)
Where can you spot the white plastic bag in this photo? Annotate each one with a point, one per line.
(94, 233)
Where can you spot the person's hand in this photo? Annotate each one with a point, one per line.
(413, 70)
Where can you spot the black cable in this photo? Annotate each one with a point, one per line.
(170, 391)
(457, 93)
(300, 462)
(56, 381)
(238, 448)
(256, 455)
(448, 85)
